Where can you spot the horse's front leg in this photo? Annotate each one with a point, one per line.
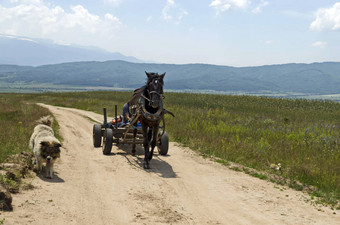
(154, 140)
(146, 147)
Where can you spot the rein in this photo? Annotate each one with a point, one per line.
(145, 97)
(141, 111)
(152, 92)
(150, 116)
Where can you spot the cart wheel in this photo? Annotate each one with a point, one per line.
(107, 141)
(163, 146)
(97, 135)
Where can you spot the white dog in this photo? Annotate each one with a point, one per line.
(45, 146)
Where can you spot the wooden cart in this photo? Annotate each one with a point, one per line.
(106, 134)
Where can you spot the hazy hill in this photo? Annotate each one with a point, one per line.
(316, 78)
(33, 52)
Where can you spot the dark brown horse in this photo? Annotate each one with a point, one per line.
(147, 106)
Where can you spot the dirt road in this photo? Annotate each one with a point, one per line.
(181, 188)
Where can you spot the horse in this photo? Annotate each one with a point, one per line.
(146, 106)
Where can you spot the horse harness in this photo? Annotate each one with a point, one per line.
(138, 110)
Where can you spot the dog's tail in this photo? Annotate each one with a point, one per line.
(46, 120)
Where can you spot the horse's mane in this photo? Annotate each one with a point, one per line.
(136, 95)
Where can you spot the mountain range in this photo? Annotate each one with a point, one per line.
(34, 52)
(42, 63)
(315, 78)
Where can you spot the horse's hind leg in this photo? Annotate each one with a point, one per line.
(133, 151)
(146, 155)
(146, 147)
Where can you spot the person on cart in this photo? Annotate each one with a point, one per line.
(123, 119)
(126, 114)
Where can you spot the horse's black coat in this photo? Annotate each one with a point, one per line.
(149, 99)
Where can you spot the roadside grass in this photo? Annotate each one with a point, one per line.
(17, 120)
(302, 135)
(18, 114)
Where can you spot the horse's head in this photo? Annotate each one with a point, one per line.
(155, 88)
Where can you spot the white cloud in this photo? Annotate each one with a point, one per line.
(319, 44)
(34, 18)
(112, 20)
(114, 2)
(18, 38)
(224, 5)
(173, 12)
(269, 42)
(327, 18)
(27, 1)
(260, 6)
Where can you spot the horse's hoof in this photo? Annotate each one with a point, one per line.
(146, 166)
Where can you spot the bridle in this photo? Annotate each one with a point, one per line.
(161, 95)
(151, 116)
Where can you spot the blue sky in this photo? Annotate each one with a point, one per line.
(222, 32)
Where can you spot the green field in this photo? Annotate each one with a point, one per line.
(302, 135)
